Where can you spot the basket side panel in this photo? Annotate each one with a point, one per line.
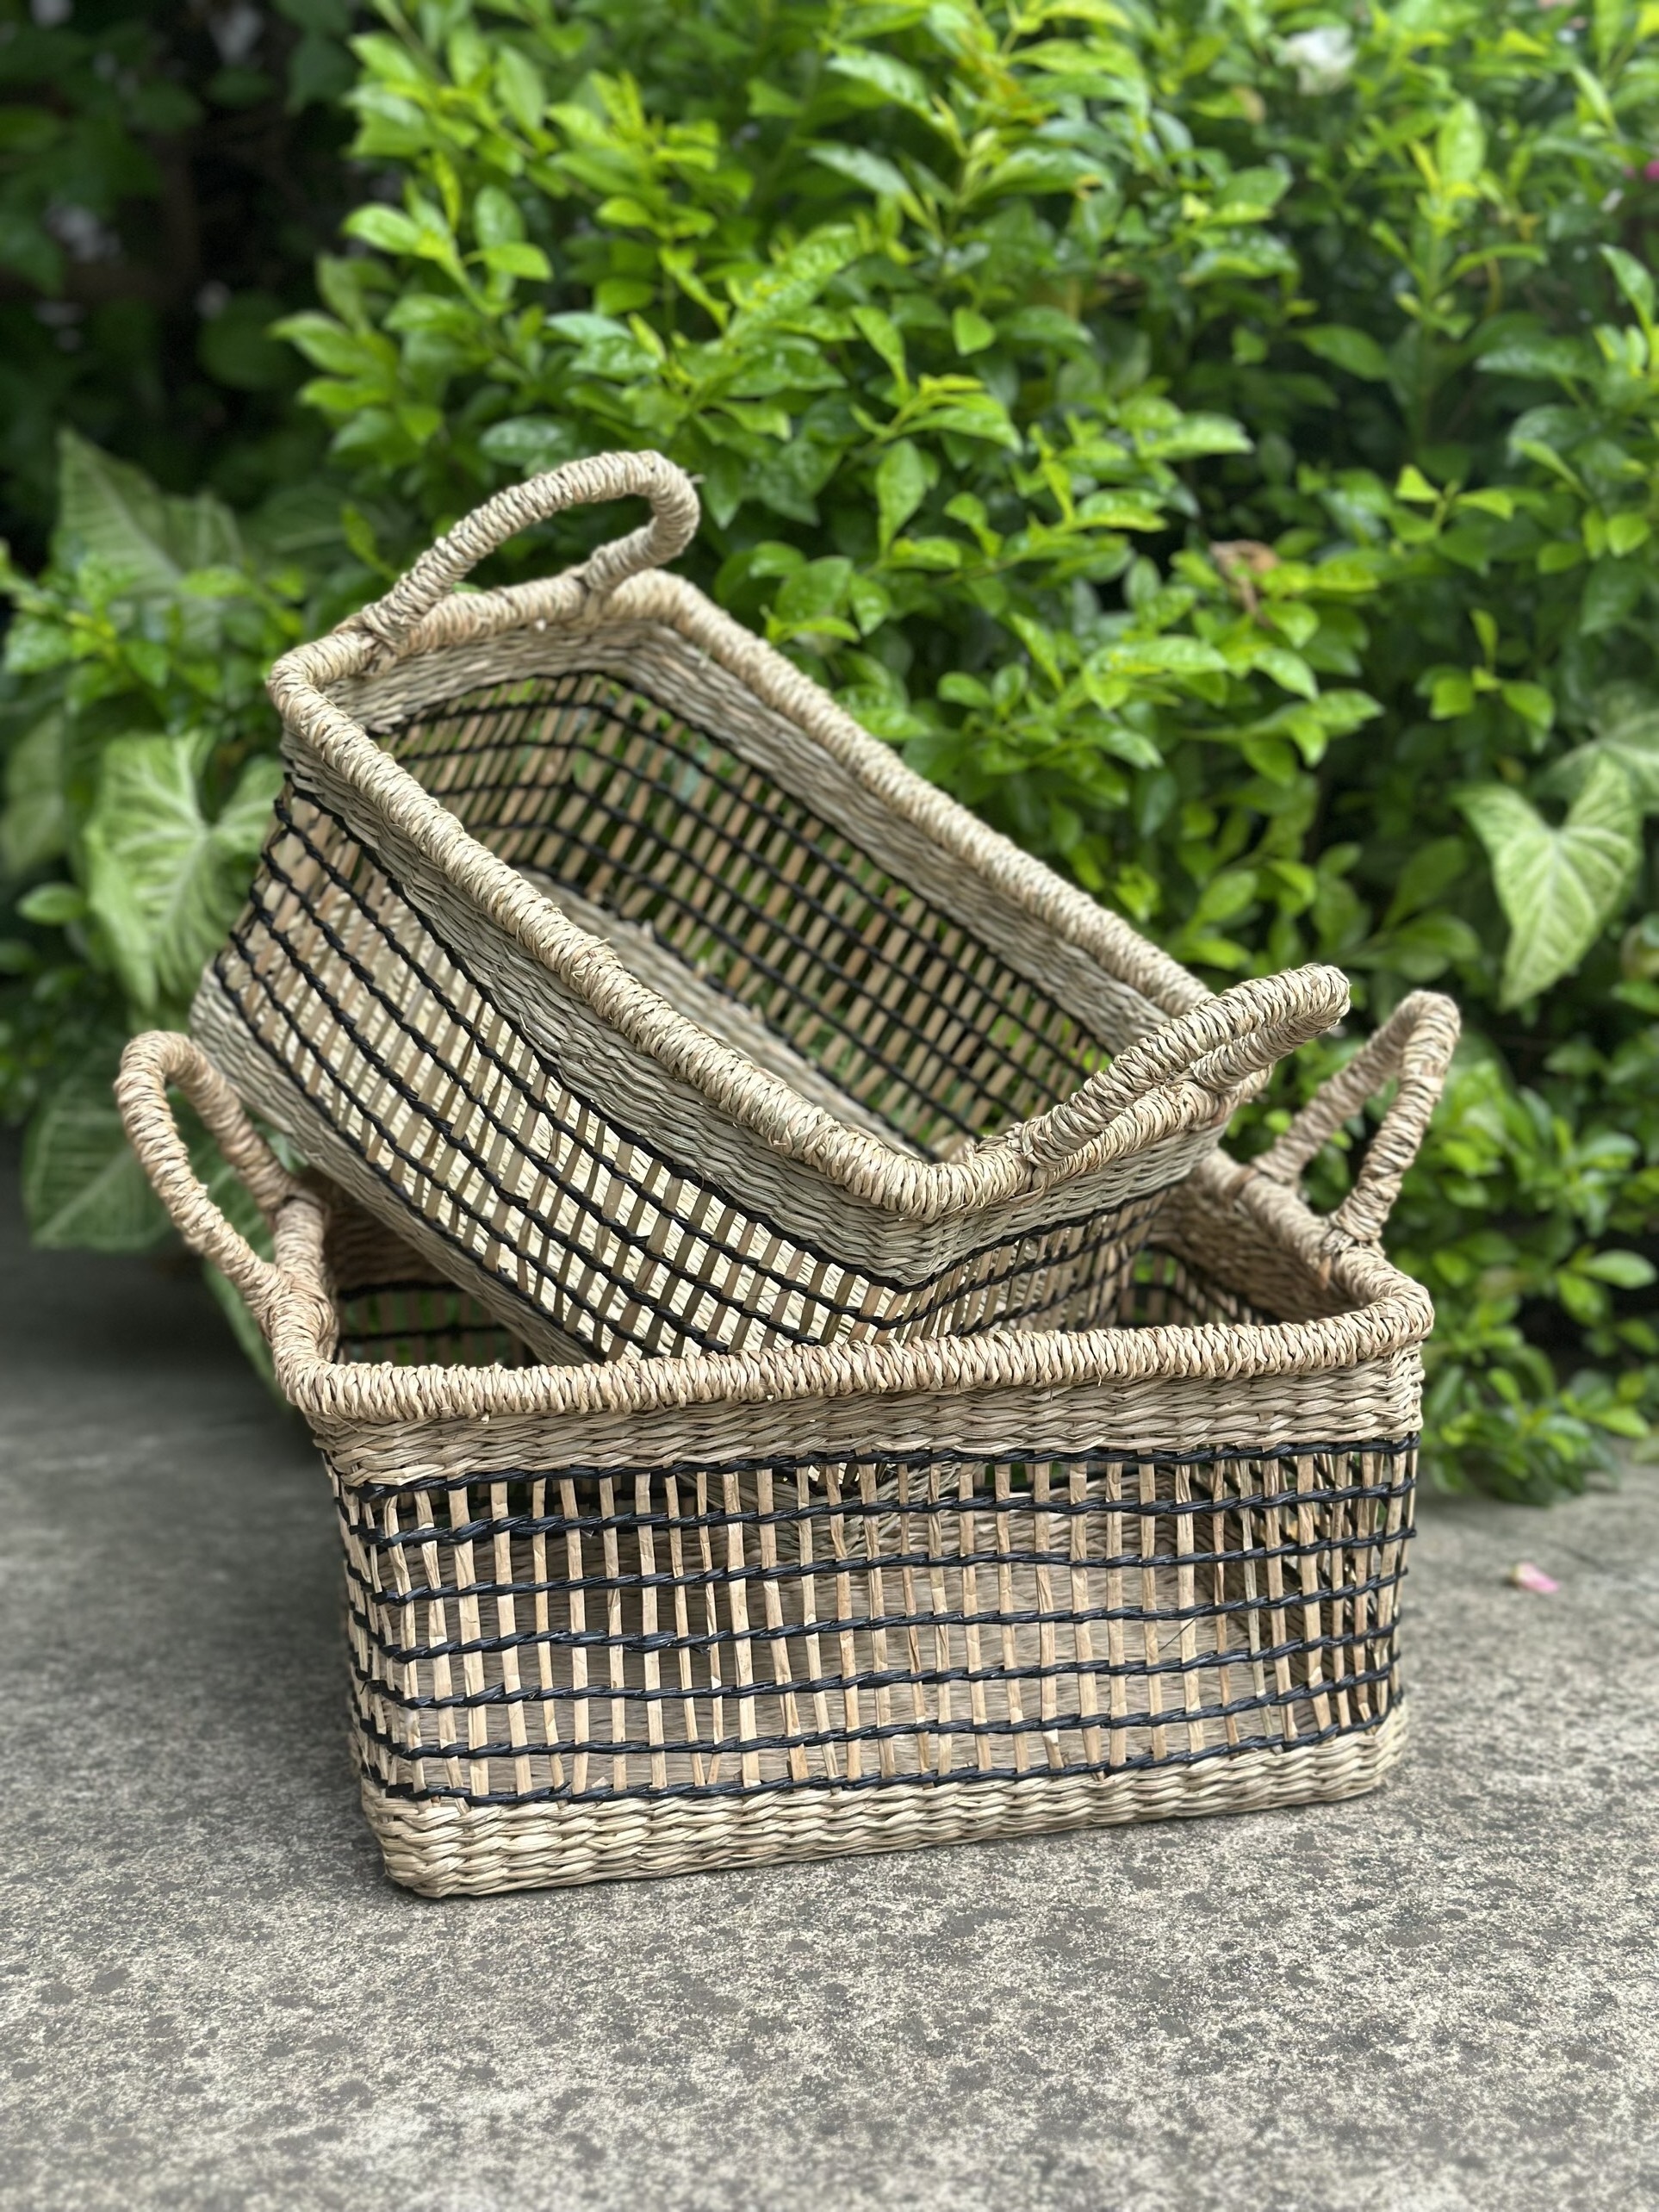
(708, 1631)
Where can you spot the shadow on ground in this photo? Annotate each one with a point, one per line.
(1442, 1998)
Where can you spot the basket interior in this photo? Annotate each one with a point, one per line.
(392, 1305)
(584, 783)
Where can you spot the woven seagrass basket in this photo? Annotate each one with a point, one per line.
(658, 1615)
(599, 954)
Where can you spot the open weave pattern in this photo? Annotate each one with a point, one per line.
(788, 1626)
(847, 1079)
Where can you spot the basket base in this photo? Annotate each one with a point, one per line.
(444, 1849)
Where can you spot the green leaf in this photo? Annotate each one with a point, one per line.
(532, 443)
(1635, 282)
(886, 76)
(1626, 1270)
(1460, 145)
(794, 280)
(1424, 948)
(879, 175)
(1532, 703)
(53, 905)
(878, 330)
(82, 1184)
(1430, 871)
(518, 87)
(1347, 348)
(150, 539)
(1612, 592)
(1541, 356)
(517, 259)
(970, 332)
(1452, 694)
(1289, 670)
(495, 218)
(1413, 484)
(33, 827)
(1626, 531)
(388, 228)
(165, 882)
(903, 478)
(1627, 724)
(816, 590)
(1558, 887)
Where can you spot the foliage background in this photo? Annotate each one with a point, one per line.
(1216, 441)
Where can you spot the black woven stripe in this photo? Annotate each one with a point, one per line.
(807, 1687)
(665, 1642)
(600, 1754)
(485, 1531)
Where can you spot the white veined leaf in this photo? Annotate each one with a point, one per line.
(114, 512)
(1558, 887)
(33, 827)
(1627, 731)
(165, 882)
(82, 1184)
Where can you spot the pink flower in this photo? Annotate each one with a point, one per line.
(1651, 172)
(1525, 1576)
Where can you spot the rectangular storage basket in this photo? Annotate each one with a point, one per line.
(655, 1616)
(597, 952)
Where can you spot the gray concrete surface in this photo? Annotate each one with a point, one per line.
(1441, 1997)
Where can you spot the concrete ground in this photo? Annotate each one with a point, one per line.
(1440, 1997)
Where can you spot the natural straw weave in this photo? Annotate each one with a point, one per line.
(659, 1615)
(803, 1053)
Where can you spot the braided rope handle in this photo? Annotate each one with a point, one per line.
(675, 513)
(1415, 1043)
(148, 1065)
(1218, 1046)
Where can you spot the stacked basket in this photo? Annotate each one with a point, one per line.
(933, 1435)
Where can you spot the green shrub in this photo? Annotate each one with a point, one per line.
(167, 175)
(1217, 443)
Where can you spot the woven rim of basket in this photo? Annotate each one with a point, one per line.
(854, 1160)
(1391, 1314)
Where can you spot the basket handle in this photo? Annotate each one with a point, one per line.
(148, 1065)
(1219, 1045)
(674, 515)
(1415, 1043)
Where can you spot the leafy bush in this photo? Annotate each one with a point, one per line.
(167, 174)
(1217, 443)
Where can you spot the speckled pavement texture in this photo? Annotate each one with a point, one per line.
(1440, 1997)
